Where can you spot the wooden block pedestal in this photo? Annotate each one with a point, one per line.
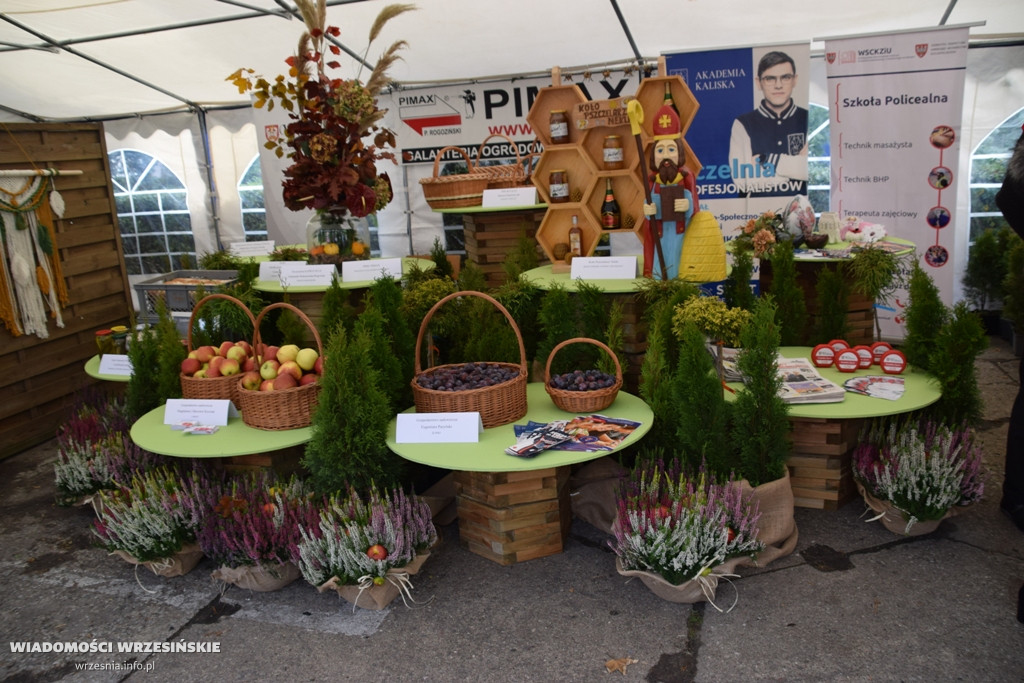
(820, 467)
(491, 236)
(284, 462)
(511, 517)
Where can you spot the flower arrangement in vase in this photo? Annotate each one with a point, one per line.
(914, 473)
(366, 549)
(677, 530)
(154, 518)
(253, 532)
(334, 139)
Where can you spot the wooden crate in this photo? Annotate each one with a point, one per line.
(820, 468)
(511, 517)
(491, 236)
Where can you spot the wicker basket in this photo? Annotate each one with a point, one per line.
(583, 401)
(503, 175)
(454, 191)
(498, 404)
(287, 408)
(211, 387)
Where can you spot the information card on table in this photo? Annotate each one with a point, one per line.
(307, 275)
(603, 268)
(261, 248)
(509, 197)
(115, 364)
(204, 412)
(439, 428)
(365, 271)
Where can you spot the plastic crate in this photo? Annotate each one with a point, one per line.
(179, 297)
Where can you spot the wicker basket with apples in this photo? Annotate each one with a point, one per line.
(212, 372)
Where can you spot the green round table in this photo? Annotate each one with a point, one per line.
(515, 509)
(231, 440)
(92, 368)
(919, 391)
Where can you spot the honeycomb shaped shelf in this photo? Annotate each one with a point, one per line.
(629, 193)
(564, 97)
(554, 229)
(578, 167)
(593, 147)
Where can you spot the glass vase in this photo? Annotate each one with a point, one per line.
(332, 238)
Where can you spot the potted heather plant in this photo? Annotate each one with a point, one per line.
(253, 532)
(153, 520)
(915, 473)
(678, 531)
(365, 550)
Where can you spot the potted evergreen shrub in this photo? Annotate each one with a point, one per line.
(914, 473)
(1013, 303)
(365, 548)
(984, 275)
(677, 531)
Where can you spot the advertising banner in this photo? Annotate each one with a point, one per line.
(895, 112)
(750, 132)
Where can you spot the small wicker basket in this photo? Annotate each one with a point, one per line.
(206, 388)
(583, 401)
(498, 404)
(503, 175)
(287, 408)
(454, 191)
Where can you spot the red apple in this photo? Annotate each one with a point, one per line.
(222, 350)
(285, 381)
(269, 353)
(318, 366)
(249, 364)
(290, 367)
(308, 378)
(251, 380)
(269, 369)
(205, 353)
(246, 346)
(377, 552)
(190, 366)
(267, 385)
(230, 367)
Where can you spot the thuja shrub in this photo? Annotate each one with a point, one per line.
(701, 412)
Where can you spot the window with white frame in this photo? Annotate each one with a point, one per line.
(988, 167)
(152, 214)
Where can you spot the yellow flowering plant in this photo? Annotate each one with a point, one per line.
(713, 317)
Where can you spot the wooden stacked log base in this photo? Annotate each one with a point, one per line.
(491, 236)
(820, 467)
(284, 462)
(511, 517)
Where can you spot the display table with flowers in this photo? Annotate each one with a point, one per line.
(824, 434)
(514, 509)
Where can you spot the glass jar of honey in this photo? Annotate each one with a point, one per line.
(612, 153)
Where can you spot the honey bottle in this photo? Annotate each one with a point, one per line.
(575, 237)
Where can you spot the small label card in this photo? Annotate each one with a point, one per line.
(190, 411)
(307, 276)
(270, 271)
(261, 248)
(603, 268)
(362, 271)
(509, 197)
(439, 428)
(115, 364)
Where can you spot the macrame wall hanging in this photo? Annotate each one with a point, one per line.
(30, 275)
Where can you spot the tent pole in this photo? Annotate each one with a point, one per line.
(629, 35)
(204, 134)
(408, 207)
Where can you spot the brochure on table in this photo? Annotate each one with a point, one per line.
(801, 383)
(439, 427)
(214, 412)
(603, 268)
(115, 364)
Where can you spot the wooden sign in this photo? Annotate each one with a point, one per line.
(597, 113)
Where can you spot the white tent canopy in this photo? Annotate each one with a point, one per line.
(79, 59)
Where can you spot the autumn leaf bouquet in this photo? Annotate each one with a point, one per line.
(366, 549)
(675, 529)
(334, 139)
(760, 234)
